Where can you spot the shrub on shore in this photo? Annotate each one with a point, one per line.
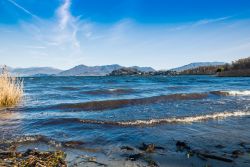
(11, 89)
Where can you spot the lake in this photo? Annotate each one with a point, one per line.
(109, 119)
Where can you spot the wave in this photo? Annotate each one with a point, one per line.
(115, 104)
(109, 92)
(33, 139)
(121, 103)
(181, 120)
(69, 88)
(28, 139)
(149, 122)
(232, 93)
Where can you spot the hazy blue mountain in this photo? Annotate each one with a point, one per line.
(197, 64)
(32, 71)
(83, 70)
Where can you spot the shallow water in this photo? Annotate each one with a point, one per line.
(105, 113)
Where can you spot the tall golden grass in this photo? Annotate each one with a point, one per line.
(11, 89)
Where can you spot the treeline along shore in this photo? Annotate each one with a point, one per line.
(239, 68)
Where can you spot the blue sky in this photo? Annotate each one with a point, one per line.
(158, 33)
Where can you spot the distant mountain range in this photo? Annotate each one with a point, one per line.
(80, 70)
(195, 65)
(35, 71)
(83, 70)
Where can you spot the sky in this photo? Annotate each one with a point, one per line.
(159, 33)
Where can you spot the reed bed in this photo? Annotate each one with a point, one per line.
(11, 89)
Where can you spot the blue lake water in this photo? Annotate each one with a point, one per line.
(106, 113)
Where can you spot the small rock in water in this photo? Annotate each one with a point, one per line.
(181, 146)
(150, 148)
(127, 148)
(159, 148)
(134, 157)
(211, 156)
(147, 147)
(93, 159)
(237, 153)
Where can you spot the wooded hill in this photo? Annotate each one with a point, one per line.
(240, 67)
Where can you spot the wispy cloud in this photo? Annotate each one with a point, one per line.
(64, 14)
(68, 25)
(23, 9)
(210, 21)
(202, 22)
(59, 33)
(57, 37)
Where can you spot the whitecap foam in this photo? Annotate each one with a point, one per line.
(237, 92)
(176, 120)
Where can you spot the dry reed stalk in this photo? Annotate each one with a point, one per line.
(11, 89)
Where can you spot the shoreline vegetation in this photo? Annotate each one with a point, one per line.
(11, 89)
(239, 68)
(31, 158)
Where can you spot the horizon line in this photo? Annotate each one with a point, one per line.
(58, 68)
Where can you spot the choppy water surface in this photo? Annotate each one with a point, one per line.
(97, 116)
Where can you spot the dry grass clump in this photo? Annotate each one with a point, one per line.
(11, 89)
